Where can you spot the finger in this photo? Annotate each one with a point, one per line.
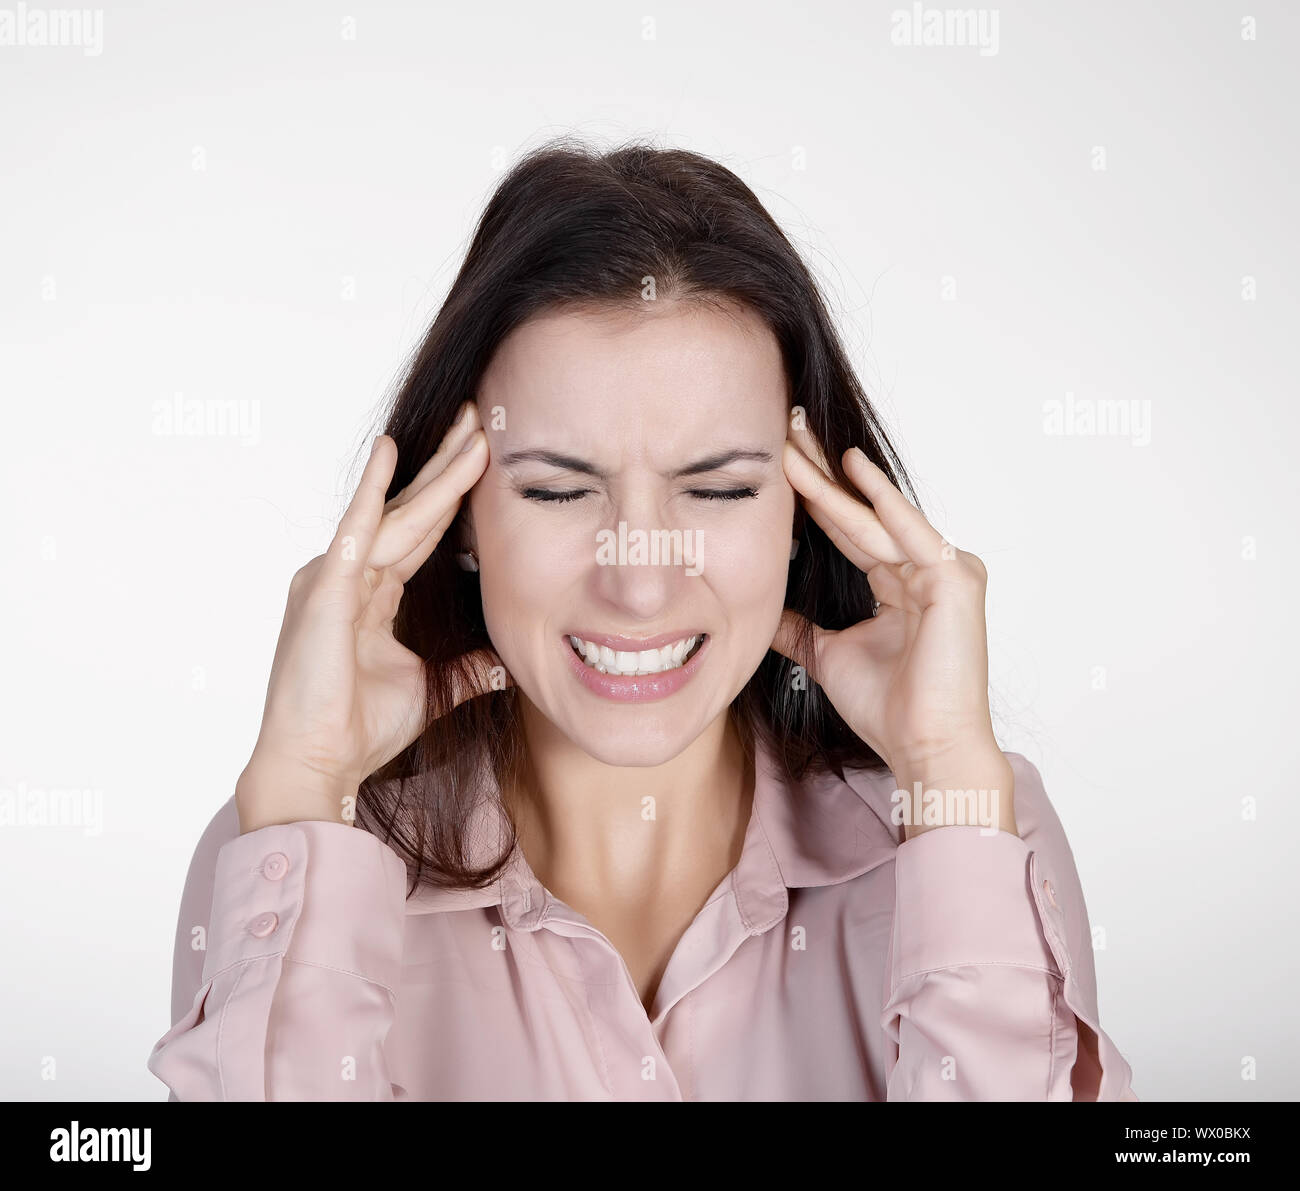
(467, 420)
(889, 587)
(906, 524)
(799, 639)
(350, 547)
(448, 449)
(404, 568)
(851, 525)
(406, 529)
(809, 444)
(860, 558)
(381, 608)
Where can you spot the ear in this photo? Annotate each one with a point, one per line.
(461, 534)
(800, 517)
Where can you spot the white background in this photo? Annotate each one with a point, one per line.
(244, 202)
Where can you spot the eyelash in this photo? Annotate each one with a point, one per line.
(542, 496)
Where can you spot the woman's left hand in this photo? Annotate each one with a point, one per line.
(911, 681)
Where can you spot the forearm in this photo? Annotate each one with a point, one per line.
(303, 952)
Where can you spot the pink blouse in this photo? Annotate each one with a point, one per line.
(834, 962)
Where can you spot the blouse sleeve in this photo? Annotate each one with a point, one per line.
(288, 954)
(991, 990)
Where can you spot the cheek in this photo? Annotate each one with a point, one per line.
(747, 558)
(528, 563)
(747, 570)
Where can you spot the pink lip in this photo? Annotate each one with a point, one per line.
(633, 644)
(634, 688)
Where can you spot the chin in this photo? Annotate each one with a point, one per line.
(635, 744)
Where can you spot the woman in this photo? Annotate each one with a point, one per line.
(591, 754)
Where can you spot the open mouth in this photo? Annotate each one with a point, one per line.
(622, 663)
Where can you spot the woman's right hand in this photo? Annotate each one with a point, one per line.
(345, 696)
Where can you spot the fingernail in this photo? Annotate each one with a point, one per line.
(469, 443)
(374, 446)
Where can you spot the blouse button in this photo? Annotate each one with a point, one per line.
(263, 925)
(1051, 894)
(275, 866)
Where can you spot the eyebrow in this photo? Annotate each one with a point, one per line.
(572, 463)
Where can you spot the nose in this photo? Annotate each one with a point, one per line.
(643, 564)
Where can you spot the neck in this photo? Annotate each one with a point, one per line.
(598, 834)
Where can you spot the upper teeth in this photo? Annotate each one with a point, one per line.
(644, 661)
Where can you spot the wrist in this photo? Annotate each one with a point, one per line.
(958, 788)
(272, 790)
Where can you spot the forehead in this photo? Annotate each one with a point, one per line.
(671, 368)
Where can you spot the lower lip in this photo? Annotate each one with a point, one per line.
(635, 688)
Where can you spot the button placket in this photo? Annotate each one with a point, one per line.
(274, 867)
(1050, 915)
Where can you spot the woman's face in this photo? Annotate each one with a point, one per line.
(613, 408)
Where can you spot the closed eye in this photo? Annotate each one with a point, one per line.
(543, 496)
(724, 494)
(546, 497)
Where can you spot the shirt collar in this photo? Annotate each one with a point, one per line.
(817, 832)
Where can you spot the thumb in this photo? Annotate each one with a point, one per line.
(799, 639)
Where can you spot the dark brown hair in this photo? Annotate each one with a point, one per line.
(570, 225)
